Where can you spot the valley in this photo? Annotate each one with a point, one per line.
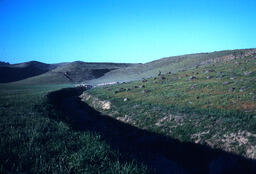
(184, 114)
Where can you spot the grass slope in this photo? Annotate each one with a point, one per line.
(173, 64)
(213, 104)
(75, 72)
(34, 140)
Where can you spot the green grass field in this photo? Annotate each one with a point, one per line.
(34, 139)
(217, 107)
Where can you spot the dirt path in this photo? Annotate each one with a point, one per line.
(162, 153)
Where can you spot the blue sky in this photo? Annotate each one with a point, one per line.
(54, 31)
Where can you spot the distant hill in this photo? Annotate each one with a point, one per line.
(75, 72)
(96, 73)
(15, 72)
(4, 63)
(169, 64)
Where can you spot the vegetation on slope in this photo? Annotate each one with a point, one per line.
(35, 140)
(173, 64)
(213, 104)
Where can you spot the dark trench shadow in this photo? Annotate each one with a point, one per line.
(162, 153)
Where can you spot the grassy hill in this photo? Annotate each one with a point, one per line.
(96, 73)
(212, 104)
(169, 64)
(200, 118)
(74, 72)
(15, 72)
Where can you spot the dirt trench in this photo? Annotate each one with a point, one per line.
(163, 154)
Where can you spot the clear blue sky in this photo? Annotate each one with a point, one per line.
(122, 30)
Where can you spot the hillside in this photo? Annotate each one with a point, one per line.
(16, 72)
(74, 72)
(213, 104)
(95, 73)
(194, 117)
(169, 64)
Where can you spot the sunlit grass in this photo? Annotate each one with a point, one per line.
(205, 103)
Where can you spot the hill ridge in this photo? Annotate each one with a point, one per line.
(170, 64)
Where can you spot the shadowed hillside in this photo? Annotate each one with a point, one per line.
(4, 63)
(75, 72)
(15, 72)
(169, 64)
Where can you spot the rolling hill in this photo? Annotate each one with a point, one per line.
(169, 64)
(213, 104)
(97, 73)
(20, 71)
(200, 118)
(74, 72)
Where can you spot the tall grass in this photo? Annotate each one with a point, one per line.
(32, 142)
